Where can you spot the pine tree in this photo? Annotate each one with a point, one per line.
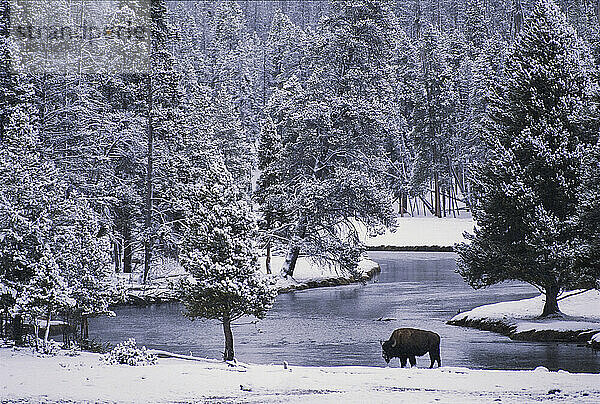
(284, 52)
(587, 265)
(50, 236)
(405, 67)
(270, 194)
(332, 165)
(45, 295)
(218, 250)
(163, 119)
(542, 122)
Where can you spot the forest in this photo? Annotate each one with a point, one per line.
(274, 127)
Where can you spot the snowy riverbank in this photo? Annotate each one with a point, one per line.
(421, 233)
(308, 274)
(520, 319)
(25, 377)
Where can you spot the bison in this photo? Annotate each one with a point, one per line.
(407, 343)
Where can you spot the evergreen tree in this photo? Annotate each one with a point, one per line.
(270, 193)
(542, 123)
(51, 248)
(332, 165)
(45, 295)
(404, 80)
(588, 222)
(284, 50)
(164, 118)
(218, 250)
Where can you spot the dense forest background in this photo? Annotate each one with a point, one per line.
(221, 72)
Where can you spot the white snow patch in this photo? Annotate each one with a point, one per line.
(582, 313)
(584, 305)
(308, 270)
(26, 377)
(421, 231)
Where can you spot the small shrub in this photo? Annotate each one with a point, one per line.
(94, 346)
(52, 348)
(128, 353)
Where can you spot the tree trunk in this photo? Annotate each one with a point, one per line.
(292, 256)
(149, 180)
(268, 259)
(85, 335)
(127, 248)
(36, 332)
(117, 255)
(47, 331)
(438, 209)
(551, 305)
(228, 355)
(289, 264)
(17, 329)
(444, 203)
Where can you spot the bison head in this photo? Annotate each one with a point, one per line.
(386, 348)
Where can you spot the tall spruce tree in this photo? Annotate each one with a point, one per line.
(542, 122)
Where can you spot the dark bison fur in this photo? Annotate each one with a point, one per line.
(408, 343)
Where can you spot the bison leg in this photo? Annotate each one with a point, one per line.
(402, 361)
(435, 356)
(413, 361)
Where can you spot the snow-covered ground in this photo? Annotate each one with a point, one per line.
(422, 231)
(28, 378)
(581, 317)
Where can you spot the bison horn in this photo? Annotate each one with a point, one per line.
(393, 343)
(381, 342)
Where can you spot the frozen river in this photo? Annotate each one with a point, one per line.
(339, 326)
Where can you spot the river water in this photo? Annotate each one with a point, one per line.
(339, 326)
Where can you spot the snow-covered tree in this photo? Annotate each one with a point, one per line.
(48, 233)
(284, 50)
(164, 117)
(270, 191)
(45, 295)
(543, 121)
(435, 116)
(218, 248)
(332, 164)
(588, 220)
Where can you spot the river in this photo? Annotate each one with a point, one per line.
(339, 326)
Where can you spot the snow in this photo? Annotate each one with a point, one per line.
(584, 305)
(24, 376)
(422, 231)
(308, 270)
(581, 313)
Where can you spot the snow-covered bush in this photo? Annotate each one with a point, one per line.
(127, 353)
(49, 347)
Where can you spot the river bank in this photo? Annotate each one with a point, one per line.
(163, 285)
(85, 378)
(519, 320)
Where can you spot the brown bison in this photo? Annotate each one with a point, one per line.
(407, 343)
